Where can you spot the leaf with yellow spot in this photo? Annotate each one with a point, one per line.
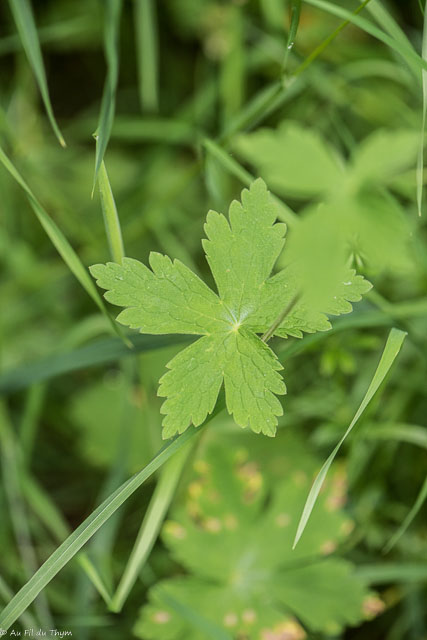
(233, 535)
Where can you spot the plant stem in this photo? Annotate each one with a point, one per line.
(286, 311)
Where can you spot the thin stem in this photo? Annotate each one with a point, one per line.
(322, 46)
(269, 99)
(295, 16)
(286, 311)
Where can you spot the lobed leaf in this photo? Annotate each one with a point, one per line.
(170, 298)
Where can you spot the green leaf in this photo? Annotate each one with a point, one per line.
(293, 159)
(170, 298)
(238, 495)
(192, 385)
(335, 596)
(241, 253)
(384, 154)
(251, 379)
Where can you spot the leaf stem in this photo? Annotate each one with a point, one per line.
(286, 311)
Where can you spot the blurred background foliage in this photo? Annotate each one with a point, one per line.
(204, 100)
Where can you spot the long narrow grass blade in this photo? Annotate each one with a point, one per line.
(11, 466)
(326, 42)
(150, 527)
(24, 19)
(111, 218)
(60, 243)
(293, 28)
(410, 433)
(89, 568)
(392, 572)
(113, 10)
(44, 508)
(386, 21)
(46, 511)
(6, 594)
(147, 53)
(420, 159)
(72, 545)
(30, 419)
(98, 353)
(405, 50)
(421, 498)
(391, 349)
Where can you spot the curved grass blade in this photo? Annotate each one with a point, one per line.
(391, 349)
(11, 467)
(24, 19)
(150, 527)
(68, 549)
(111, 218)
(61, 243)
(420, 160)
(386, 21)
(326, 42)
(405, 50)
(113, 10)
(147, 53)
(421, 498)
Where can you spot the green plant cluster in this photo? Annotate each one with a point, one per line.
(288, 136)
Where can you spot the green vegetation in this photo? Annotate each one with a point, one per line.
(244, 179)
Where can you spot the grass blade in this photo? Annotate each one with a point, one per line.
(391, 349)
(99, 353)
(94, 576)
(404, 50)
(421, 498)
(113, 10)
(11, 467)
(72, 545)
(24, 19)
(293, 28)
(420, 159)
(385, 19)
(147, 53)
(111, 218)
(60, 243)
(6, 594)
(410, 433)
(150, 527)
(392, 572)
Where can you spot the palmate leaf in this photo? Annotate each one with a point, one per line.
(170, 298)
(237, 496)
